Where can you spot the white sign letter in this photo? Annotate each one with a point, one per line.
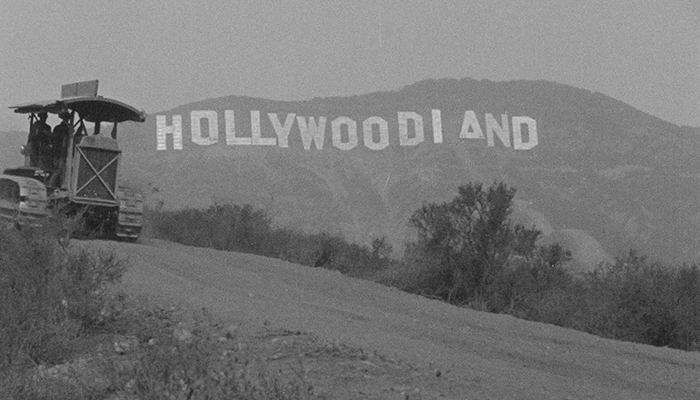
(231, 139)
(312, 132)
(337, 128)
(404, 140)
(470, 122)
(255, 131)
(531, 133)
(282, 131)
(502, 131)
(369, 134)
(162, 130)
(437, 126)
(196, 117)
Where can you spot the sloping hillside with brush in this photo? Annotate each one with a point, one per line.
(616, 175)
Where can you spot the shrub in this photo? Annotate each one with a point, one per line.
(468, 250)
(48, 294)
(221, 227)
(249, 230)
(686, 290)
(647, 302)
(519, 289)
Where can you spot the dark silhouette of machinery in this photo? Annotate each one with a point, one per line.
(73, 171)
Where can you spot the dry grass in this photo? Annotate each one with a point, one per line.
(65, 335)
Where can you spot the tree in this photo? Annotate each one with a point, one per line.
(471, 241)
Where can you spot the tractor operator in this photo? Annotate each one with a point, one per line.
(59, 147)
(38, 141)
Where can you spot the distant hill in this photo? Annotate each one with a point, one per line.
(603, 176)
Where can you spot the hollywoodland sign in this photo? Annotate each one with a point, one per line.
(518, 133)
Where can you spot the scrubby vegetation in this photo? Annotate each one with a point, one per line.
(48, 295)
(248, 230)
(57, 302)
(56, 297)
(469, 253)
(634, 300)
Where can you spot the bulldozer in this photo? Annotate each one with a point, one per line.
(77, 176)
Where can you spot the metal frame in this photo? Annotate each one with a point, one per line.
(97, 174)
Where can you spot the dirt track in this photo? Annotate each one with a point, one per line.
(483, 355)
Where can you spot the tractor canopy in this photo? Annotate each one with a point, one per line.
(90, 109)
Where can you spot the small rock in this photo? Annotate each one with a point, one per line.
(182, 334)
(126, 344)
(130, 386)
(230, 331)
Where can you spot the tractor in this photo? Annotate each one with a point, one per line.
(78, 174)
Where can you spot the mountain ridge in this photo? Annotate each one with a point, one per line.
(601, 172)
(624, 177)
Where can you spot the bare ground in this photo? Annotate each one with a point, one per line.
(356, 339)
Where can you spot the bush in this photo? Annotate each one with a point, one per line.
(519, 289)
(221, 227)
(469, 251)
(249, 230)
(48, 294)
(647, 302)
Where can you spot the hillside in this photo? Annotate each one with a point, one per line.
(602, 177)
(602, 171)
(478, 355)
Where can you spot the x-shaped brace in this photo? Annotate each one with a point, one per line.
(97, 173)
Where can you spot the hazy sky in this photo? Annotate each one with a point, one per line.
(156, 55)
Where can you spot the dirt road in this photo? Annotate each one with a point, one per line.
(478, 355)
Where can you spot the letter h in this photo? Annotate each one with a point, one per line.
(162, 130)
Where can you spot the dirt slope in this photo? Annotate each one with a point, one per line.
(483, 355)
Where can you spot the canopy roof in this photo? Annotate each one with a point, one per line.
(90, 108)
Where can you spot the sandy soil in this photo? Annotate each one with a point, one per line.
(443, 351)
